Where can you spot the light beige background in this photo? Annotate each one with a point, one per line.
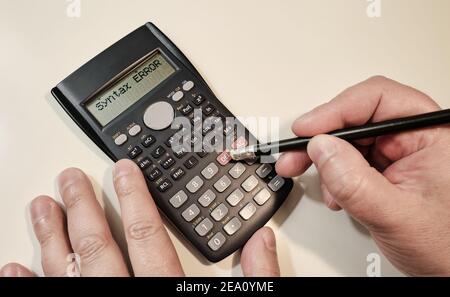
(261, 57)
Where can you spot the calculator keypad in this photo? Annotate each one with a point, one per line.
(215, 196)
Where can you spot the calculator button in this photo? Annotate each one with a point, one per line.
(158, 152)
(178, 173)
(198, 100)
(186, 109)
(144, 163)
(169, 142)
(232, 226)
(264, 170)
(180, 152)
(217, 241)
(224, 158)
(237, 170)
(191, 213)
(235, 197)
(208, 109)
(159, 115)
(210, 171)
(207, 128)
(202, 154)
(197, 120)
(262, 197)
(154, 174)
(239, 143)
(250, 183)
(164, 185)
(207, 198)
(219, 212)
(121, 139)
(228, 129)
(167, 163)
(191, 162)
(276, 183)
(222, 184)
(204, 227)
(148, 141)
(194, 185)
(178, 199)
(136, 151)
(248, 211)
(188, 86)
(178, 96)
(135, 130)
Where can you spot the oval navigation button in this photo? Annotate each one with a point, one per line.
(159, 115)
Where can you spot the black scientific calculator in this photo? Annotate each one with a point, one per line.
(127, 100)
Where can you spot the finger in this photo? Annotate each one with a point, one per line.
(88, 230)
(358, 188)
(259, 255)
(373, 100)
(328, 199)
(49, 227)
(292, 163)
(15, 270)
(151, 251)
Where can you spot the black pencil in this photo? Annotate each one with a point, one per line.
(349, 134)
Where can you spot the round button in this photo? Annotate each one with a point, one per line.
(159, 115)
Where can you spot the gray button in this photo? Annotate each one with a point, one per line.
(237, 170)
(235, 197)
(121, 139)
(262, 196)
(207, 198)
(135, 130)
(210, 171)
(250, 183)
(217, 241)
(232, 226)
(248, 211)
(177, 96)
(264, 170)
(178, 199)
(222, 184)
(219, 212)
(159, 115)
(276, 183)
(191, 213)
(188, 86)
(204, 227)
(195, 184)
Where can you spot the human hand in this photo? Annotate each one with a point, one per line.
(85, 232)
(397, 186)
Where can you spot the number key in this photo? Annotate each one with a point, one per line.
(195, 184)
(191, 213)
(219, 212)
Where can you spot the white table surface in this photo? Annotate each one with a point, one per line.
(261, 57)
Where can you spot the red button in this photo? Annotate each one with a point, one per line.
(224, 158)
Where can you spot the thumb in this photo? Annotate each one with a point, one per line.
(354, 185)
(259, 255)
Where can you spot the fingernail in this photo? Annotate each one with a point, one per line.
(269, 241)
(40, 209)
(321, 148)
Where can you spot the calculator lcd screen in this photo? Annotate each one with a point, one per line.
(111, 102)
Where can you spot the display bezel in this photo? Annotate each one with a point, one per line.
(121, 75)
